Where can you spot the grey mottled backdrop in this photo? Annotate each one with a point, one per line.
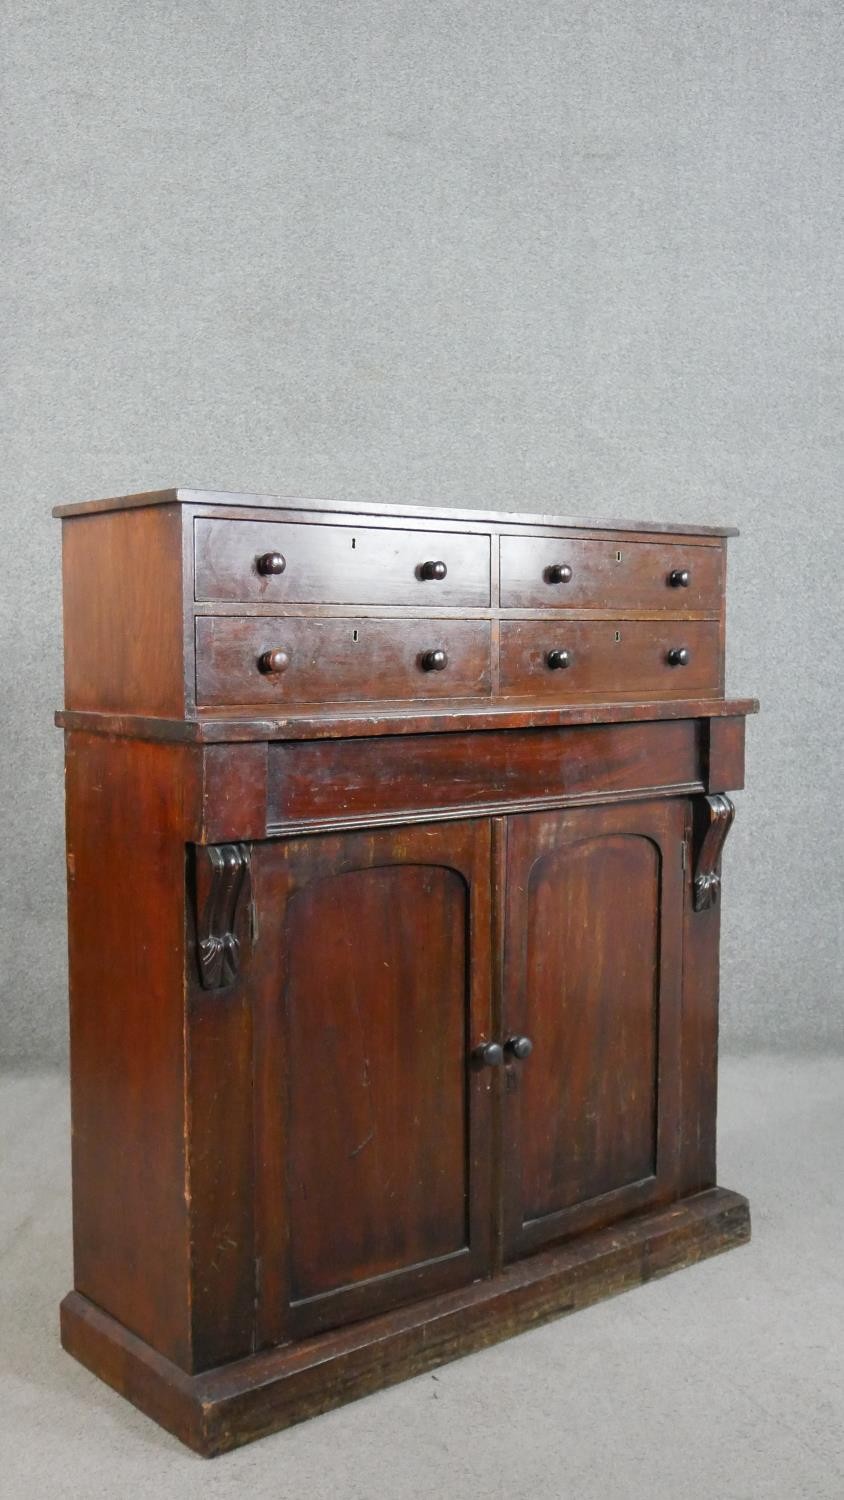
(579, 256)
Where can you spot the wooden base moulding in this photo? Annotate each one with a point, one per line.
(222, 1409)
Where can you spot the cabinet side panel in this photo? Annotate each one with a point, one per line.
(122, 576)
(129, 808)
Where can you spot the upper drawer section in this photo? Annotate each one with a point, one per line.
(561, 572)
(287, 562)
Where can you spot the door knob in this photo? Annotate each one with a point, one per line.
(678, 656)
(274, 662)
(436, 570)
(271, 563)
(519, 1046)
(434, 661)
(558, 573)
(489, 1055)
(558, 659)
(679, 578)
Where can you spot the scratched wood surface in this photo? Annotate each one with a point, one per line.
(371, 1114)
(175, 604)
(394, 976)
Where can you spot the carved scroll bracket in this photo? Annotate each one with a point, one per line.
(224, 890)
(718, 815)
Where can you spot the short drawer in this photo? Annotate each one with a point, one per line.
(287, 562)
(569, 659)
(294, 660)
(564, 573)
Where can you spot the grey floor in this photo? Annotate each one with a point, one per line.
(725, 1381)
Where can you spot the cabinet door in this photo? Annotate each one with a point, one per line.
(372, 1124)
(592, 975)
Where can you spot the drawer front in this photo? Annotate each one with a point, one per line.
(281, 562)
(396, 778)
(623, 658)
(338, 661)
(564, 573)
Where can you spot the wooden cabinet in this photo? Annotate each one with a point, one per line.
(394, 844)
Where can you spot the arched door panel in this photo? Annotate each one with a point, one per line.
(592, 975)
(376, 1185)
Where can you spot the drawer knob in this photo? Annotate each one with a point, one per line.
(433, 570)
(488, 1055)
(271, 564)
(558, 659)
(679, 578)
(519, 1047)
(678, 656)
(274, 662)
(558, 573)
(434, 661)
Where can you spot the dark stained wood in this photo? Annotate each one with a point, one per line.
(234, 792)
(220, 499)
(233, 726)
(374, 1080)
(394, 963)
(219, 1120)
(126, 906)
(701, 935)
(123, 612)
(225, 1408)
(724, 754)
(545, 572)
(716, 816)
(338, 660)
(593, 972)
(339, 564)
(622, 659)
(376, 780)
(380, 989)
(223, 892)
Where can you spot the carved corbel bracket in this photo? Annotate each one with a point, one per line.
(718, 815)
(224, 889)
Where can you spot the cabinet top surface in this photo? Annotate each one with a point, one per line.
(217, 498)
(368, 720)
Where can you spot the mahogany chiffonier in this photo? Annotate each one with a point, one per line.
(393, 845)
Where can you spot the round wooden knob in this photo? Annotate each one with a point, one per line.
(679, 578)
(434, 661)
(519, 1046)
(433, 570)
(556, 660)
(558, 573)
(489, 1055)
(271, 564)
(274, 662)
(678, 656)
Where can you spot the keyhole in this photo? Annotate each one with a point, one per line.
(618, 635)
(354, 543)
(618, 557)
(354, 635)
